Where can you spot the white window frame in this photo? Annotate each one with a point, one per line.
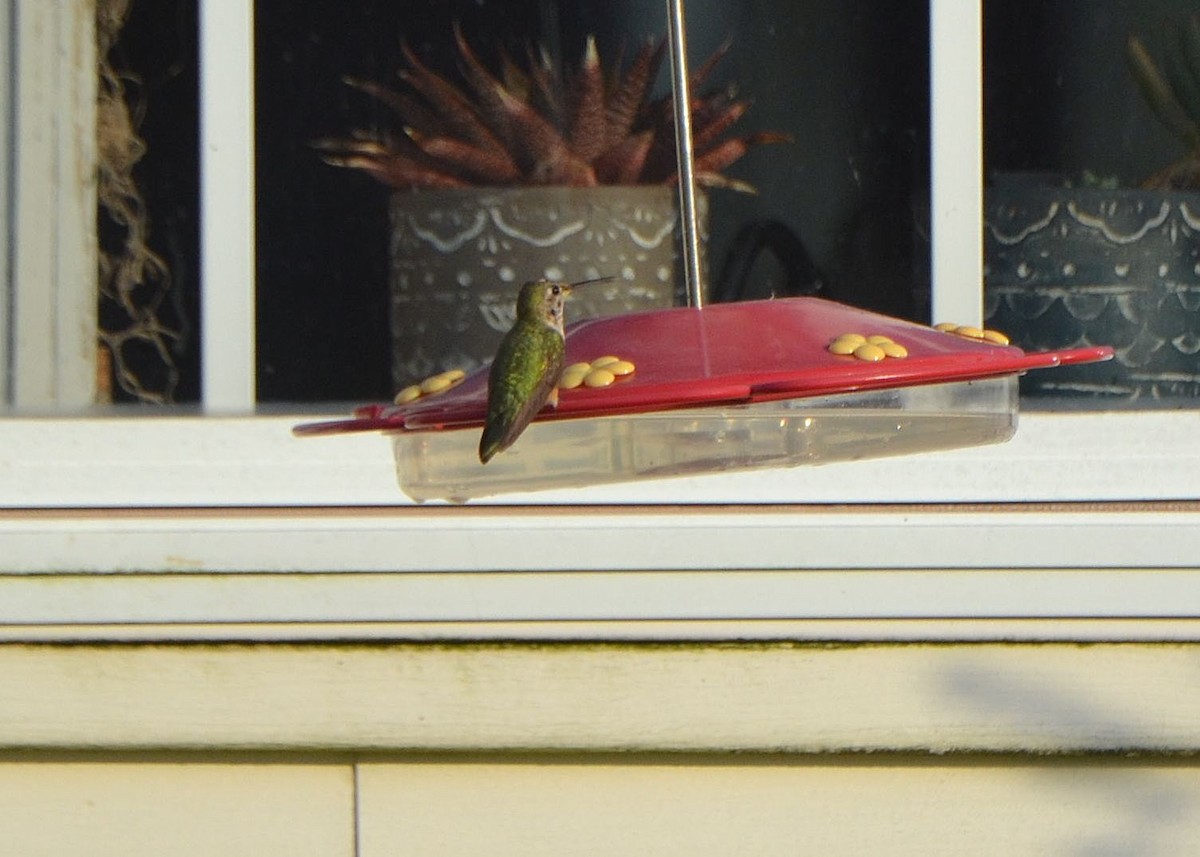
(227, 525)
(48, 195)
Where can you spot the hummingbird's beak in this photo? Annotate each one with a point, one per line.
(589, 282)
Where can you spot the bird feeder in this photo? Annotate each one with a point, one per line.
(727, 387)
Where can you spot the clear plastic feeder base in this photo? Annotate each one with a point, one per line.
(444, 465)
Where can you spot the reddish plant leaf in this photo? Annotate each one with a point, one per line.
(622, 163)
(410, 109)
(491, 166)
(490, 95)
(706, 132)
(543, 150)
(629, 96)
(721, 156)
(586, 137)
(449, 102)
(395, 171)
(547, 86)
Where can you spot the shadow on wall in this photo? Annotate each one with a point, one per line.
(1139, 810)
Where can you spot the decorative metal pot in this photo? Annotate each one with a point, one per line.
(1076, 267)
(459, 256)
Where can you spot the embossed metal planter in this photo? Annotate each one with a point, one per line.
(458, 257)
(1078, 267)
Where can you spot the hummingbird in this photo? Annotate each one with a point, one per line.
(527, 367)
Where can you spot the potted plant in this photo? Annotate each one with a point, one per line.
(504, 176)
(1089, 262)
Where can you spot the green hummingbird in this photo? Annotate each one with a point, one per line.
(526, 370)
(528, 365)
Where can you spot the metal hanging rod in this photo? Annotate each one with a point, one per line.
(685, 155)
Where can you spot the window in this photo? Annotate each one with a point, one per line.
(206, 516)
(1089, 234)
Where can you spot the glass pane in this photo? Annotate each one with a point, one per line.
(836, 114)
(842, 206)
(1092, 235)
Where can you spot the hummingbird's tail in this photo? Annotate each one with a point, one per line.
(491, 442)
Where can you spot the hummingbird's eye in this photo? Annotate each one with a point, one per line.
(556, 290)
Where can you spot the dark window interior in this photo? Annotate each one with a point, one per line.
(846, 79)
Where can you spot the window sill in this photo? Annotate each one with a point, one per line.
(190, 462)
(1082, 527)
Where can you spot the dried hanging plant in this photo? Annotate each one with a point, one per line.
(531, 124)
(134, 281)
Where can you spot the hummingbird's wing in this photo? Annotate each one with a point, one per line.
(522, 378)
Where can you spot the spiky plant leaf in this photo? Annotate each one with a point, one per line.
(536, 125)
(628, 94)
(587, 134)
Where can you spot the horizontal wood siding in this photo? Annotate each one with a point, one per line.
(894, 807)
(693, 697)
(55, 808)
(373, 749)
